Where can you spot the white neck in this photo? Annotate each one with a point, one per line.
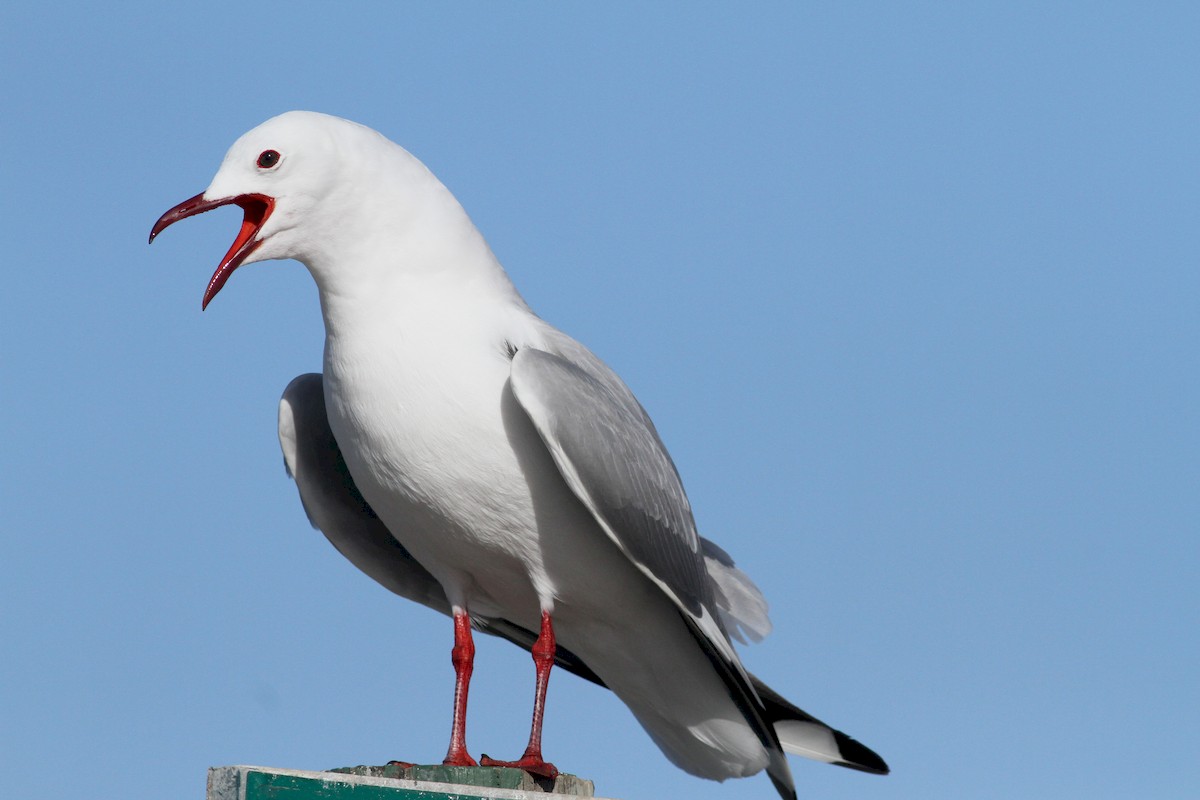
(427, 263)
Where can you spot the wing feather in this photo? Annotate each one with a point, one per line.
(611, 457)
(614, 461)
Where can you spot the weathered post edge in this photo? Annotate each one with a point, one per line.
(270, 783)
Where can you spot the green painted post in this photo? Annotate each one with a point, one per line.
(392, 782)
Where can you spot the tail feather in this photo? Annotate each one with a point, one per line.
(757, 715)
(802, 734)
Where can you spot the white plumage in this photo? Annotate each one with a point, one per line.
(518, 474)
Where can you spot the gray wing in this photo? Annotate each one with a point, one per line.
(600, 432)
(610, 455)
(612, 458)
(332, 500)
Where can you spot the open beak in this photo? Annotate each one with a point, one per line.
(256, 208)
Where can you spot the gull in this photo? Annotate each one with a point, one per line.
(469, 456)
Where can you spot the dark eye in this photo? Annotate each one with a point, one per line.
(268, 159)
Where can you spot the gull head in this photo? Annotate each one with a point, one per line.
(298, 178)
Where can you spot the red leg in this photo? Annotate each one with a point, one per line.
(463, 658)
(543, 660)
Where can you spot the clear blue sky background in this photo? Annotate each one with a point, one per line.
(911, 294)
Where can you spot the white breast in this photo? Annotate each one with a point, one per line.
(426, 421)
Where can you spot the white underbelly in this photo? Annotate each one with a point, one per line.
(452, 465)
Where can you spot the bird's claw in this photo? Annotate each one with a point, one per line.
(534, 764)
(460, 758)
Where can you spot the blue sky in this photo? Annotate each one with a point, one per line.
(910, 294)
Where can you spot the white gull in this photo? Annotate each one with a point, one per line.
(525, 487)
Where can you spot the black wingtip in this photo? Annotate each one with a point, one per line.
(858, 756)
(785, 789)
